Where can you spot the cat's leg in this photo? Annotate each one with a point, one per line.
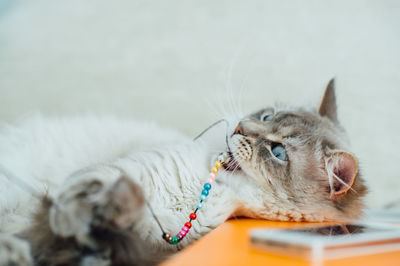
(14, 251)
(102, 196)
(88, 220)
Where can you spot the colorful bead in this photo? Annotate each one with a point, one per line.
(174, 240)
(165, 236)
(212, 176)
(170, 239)
(185, 228)
(204, 192)
(199, 205)
(207, 186)
(217, 164)
(203, 198)
(193, 216)
(180, 236)
(183, 233)
(214, 170)
(188, 224)
(209, 180)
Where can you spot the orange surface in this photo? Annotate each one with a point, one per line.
(229, 244)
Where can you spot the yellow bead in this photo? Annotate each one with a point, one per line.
(214, 170)
(217, 164)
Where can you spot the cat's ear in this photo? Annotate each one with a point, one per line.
(342, 170)
(327, 106)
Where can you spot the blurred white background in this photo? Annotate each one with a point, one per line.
(172, 62)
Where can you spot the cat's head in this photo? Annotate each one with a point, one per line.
(299, 162)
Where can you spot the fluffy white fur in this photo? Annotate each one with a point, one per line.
(42, 152)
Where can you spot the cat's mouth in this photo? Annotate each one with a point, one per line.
(231, 164)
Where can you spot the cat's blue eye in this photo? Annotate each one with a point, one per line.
(267, 118)
(279, 152)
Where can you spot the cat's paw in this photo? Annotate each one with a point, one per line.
(102, 197)
(14, 251)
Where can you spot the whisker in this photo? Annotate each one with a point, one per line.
(232, 162)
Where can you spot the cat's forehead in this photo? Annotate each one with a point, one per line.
(288, 124)
(296, 126)
(282, 113)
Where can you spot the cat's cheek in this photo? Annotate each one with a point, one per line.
(249, 171)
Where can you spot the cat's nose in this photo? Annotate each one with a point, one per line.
(239, 129)
(248, 128)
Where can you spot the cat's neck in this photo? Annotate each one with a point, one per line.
(172, 179)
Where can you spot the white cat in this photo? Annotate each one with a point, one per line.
(285, 164)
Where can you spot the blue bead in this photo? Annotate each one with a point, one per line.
(199, 205)
(205, 192)
(203, 198)
(207, 186)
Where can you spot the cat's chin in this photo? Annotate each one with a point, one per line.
(231, 165)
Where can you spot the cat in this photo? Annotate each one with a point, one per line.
(286, 164)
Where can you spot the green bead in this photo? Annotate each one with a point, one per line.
(205, 192)
(174, 240)
(207, 186)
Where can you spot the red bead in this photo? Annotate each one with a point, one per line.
(188, 224)
(193, 216)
